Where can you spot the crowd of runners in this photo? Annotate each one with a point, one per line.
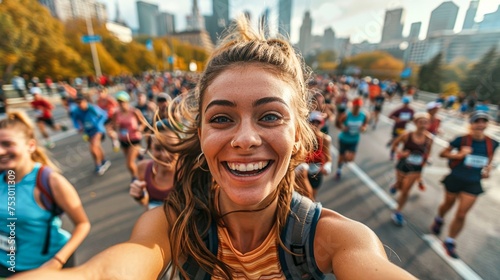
(343, 108)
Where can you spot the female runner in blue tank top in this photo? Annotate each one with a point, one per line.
(22, 243)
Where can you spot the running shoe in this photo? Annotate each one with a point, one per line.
(338, 175)
(64, 128)
(450, 248)
(393, 190)
(50, 145)
(116, 146)
(104, 167)
(398, 219)
(436, 226)
(421, 186)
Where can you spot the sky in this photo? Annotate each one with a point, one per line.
(359, 19)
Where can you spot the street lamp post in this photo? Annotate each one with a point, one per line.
(93, 48)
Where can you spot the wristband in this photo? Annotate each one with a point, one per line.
(55, 257)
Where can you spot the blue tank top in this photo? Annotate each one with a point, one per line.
(353, 124)
(30, 225)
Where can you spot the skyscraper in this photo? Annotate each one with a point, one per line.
(393, 25)
(285, 17)
(305, 34)
(219, 20)
(148, 18)
(328, 39)
(195, 21)
(166, 23)
(443, 18)
(491, 21)
(71, 9)
(414, 31)
(264, 22)
(470, 15)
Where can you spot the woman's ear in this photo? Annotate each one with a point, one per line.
(31, 145)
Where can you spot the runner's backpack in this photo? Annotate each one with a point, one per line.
(48, 201)
(467, 141)
(297, 235)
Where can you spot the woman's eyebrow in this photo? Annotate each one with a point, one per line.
(220, 102)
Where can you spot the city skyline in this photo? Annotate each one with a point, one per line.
(360, 22)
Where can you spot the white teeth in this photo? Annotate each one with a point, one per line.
(248, 167)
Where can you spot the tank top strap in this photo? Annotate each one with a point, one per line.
(148, 177)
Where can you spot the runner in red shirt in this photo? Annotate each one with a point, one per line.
(43, 110)
(110, 105)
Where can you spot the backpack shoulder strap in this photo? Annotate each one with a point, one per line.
(489, 149)
(46, 196)
(464, 141)
(298, 237)
(191, 267)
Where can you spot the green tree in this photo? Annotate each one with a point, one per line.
(430, 75)
(33, 41)
(479, 76)
(492, 93)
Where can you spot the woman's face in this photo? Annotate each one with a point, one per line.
(479, 126)
(161, 154)
(247, 132)
(15, 150)
(422, 124)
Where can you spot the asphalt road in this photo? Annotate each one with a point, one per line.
(112, 212)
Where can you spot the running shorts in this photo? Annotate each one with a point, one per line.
(456, 185)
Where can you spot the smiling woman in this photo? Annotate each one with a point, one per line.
(236, 212)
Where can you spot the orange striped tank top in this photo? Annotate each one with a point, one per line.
(260, 263)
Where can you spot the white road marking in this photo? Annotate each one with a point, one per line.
(456, 264)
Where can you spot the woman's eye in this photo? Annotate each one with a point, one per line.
(271, 118)
(220, 119)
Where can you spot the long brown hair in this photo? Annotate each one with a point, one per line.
(190, 209)
(19, 121)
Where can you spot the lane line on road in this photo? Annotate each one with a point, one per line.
(62, 135)
(458, 265)
(436, 245)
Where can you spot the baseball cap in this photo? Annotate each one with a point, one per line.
(357, 102)
(35, 90)
(122, 96)
(477, 115)
(316, 116)
(406, 100)
(432, 105)
(421, 115)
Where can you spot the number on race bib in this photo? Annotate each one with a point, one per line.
(415, 159)
(476, 161)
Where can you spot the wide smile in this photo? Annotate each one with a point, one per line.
(5, 159)
(247, 169)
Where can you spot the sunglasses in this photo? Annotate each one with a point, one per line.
(480, 120)
(161, 100)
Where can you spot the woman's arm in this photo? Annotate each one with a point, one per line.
(67, 198)
(144, 256)
(351, 250)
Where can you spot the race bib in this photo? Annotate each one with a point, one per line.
(405, 116)
(354, 126)
(415, 159)
(4, 243)
(88, 125)
(314, 168)
(475, 161)
(123, 132)
(38, 113)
